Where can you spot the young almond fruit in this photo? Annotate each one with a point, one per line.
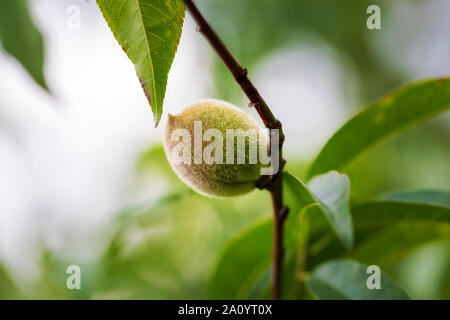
(214, 147)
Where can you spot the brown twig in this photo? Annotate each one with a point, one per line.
(275, 184)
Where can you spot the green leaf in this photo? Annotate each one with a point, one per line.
(244, 266)
(407, 206)
(393, 243)
(347, 279)
(432, 260)
(20, 38)
(389, 228)
(398, 110)
(245, 260)
(8, 290)
(242, 261)
(149, 31)
(53, 267)
(424, 216)
(431, 197)
(330, 192)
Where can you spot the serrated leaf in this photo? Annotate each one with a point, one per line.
(398, 110)
(149, 31)
(347, 280)
(20, 38)
(330, 192)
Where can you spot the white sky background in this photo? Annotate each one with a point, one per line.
(67, 160)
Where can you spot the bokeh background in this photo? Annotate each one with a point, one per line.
(84, 179)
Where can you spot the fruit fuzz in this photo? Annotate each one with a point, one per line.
(221, 178)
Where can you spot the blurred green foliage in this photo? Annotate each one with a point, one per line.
(8, 290)
(254, 29)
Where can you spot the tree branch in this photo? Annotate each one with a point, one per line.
(275, 184)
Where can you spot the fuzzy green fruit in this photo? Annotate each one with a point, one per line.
(215, 179)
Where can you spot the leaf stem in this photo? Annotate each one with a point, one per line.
(275, 184)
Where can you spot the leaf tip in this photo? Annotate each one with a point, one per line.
(157, 120)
